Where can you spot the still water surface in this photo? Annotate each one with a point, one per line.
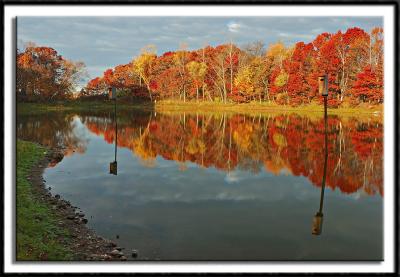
(221, 186)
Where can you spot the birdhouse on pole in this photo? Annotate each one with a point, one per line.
(113, 168)
(112, 93)
(323, 85)
(317, 224)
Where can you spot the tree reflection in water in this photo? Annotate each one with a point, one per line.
(285, 143)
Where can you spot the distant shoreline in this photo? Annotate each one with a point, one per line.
(263, 108)
(166, 106)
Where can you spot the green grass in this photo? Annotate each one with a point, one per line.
(37, 231)
(29, 108)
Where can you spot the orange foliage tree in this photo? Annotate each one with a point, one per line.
(44, 75)
(282, 74)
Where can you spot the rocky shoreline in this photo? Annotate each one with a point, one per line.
(83, 242)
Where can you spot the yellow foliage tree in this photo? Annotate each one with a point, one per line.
(278, 52)
(197, 71)
(244, 81)
(142, 65)
(252, 79)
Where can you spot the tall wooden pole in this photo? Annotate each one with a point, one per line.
(116, 128)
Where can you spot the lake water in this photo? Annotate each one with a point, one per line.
(221, 186)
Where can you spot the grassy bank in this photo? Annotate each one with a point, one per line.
(26, 108)
(37, 236)
(169, 106)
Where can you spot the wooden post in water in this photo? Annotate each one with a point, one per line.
(112, 94)
(116, 128)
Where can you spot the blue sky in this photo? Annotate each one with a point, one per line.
(104, 42)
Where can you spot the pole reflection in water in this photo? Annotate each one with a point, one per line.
(317, 222)
(113, 165)
(164, 213)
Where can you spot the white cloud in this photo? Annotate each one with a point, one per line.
(234, 27)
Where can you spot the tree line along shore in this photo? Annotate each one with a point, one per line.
(277, 74)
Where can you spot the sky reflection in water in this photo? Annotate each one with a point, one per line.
(220, 187)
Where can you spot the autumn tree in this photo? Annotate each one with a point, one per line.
(232, 59)
(252, 81)
(281, 74)
(43, 74)
(142, 66)
(181, 60)
(376, 48)
(255, 49)
(278, 54)
(299, 67)
(244, 84)
(197, 71)
(368, 86)
(224, 66)
(356, 42)
(96, 86)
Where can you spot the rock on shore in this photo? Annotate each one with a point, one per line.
(83, 242)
